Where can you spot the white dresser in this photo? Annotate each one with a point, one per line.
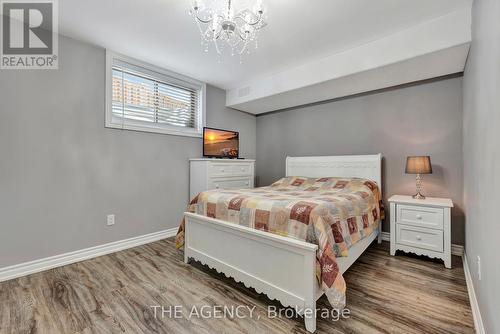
(421, 226)
(207, 173)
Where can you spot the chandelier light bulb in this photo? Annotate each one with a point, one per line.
(258, 7)
(215, 23)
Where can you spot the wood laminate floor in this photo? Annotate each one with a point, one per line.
(114, 294)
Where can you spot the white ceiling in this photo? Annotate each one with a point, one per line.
(161, 32)
(428, 50)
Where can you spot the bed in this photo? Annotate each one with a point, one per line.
(254, 256)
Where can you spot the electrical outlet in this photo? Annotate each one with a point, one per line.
(478, 267)
(111, 220)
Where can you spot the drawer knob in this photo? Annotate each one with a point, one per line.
(222, 170)
(216, 186)
(246, 183)
(419, 237)
(242, 169)
(419, 217)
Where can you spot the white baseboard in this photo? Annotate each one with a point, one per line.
(35, 266)
(457, 250)
(478, 320)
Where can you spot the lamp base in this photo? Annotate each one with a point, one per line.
(418, 196)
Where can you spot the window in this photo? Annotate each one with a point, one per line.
(143, 97)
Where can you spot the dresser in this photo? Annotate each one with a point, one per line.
(207, 173)
(421, 226)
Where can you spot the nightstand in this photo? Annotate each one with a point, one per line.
(421, 226)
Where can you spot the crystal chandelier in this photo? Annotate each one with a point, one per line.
(226, 30)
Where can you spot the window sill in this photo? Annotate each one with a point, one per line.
(160, 130)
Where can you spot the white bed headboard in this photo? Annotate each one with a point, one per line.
(364, 166)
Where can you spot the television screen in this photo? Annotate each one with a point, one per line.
(220, 143)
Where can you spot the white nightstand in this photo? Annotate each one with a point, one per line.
(421, 226)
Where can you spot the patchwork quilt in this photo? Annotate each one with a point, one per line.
(333, 213)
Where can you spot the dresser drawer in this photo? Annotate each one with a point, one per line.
(420, 216)
(419, 237)
(242, 169)
(234, 183)
(220, 169)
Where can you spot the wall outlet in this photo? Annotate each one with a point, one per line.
(478, 267)
(110, 220)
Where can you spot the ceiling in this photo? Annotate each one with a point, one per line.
(161, 32)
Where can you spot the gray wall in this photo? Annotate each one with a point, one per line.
(482, 158)
(424, 119)
(219, 116)
(62, 172)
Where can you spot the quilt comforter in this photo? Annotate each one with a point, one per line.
(333, 213)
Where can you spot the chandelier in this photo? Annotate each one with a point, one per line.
(226, 30)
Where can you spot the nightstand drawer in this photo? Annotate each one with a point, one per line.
(419, 237)
(420, 216)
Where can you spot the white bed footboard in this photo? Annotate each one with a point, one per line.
(280, 267)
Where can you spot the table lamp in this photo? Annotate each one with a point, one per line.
(418, 165)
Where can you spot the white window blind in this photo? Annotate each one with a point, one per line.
(145, 99)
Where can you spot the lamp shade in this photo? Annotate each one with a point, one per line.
(418, 165)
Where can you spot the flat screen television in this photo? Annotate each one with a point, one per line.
(219, 143)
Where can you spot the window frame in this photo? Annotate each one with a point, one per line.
(165, 76)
